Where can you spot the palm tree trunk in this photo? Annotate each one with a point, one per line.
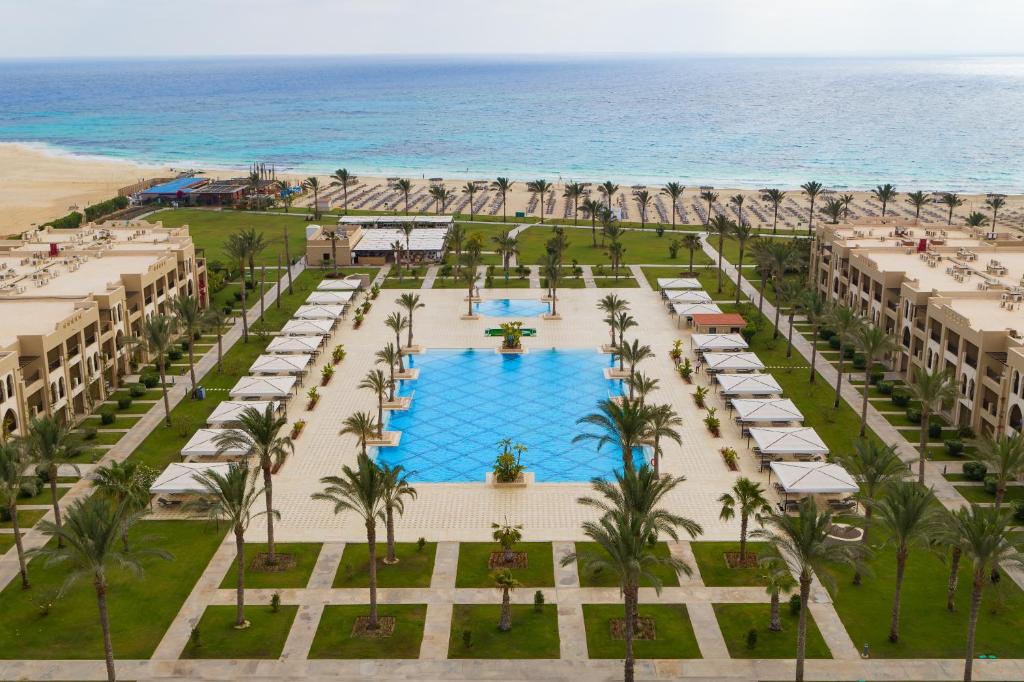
(801, 628)
(287, 258)
(505, 622)
(691, 261)
(163, 387)
(1000, 492)
(245, 317)
(894, 622)
(52, 471)
(739, 275)
(743, 537)
(775, 220)
(408, 343)
(268, 492)
(108, 648)
(630, 598)
(398, 346)
(954, 576)
(864, 411)
(389, 521)
(760, 298)
(774, 621)
(721, 239)
(657, 458)
(789, 337)
(371, 541)
(839, 379)
(380, 415)
(778, 312)
(191, 361)
(220, 352)
(925, 418)
(972, 623)
(863, 541)
(22, 566)
(814, 352)
(240, 578)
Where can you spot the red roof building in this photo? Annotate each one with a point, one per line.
(718, 323)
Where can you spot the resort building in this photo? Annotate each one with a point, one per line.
(953, 299)
(372, 240)
(70, 298)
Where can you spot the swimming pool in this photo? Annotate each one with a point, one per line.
(465, 401)
(512, 307)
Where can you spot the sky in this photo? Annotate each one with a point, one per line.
(151, 28)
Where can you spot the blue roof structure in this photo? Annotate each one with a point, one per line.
(183, 185)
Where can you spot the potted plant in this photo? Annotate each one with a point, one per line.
(511, 336)
(677, 351)
(338, 354)
(375, 291)
(314, 398)
(325, 374)
(686, 370)
(731, 459)
(699, 395)
(358, 321)
(712, 422)
(508, 466)
(297, 428)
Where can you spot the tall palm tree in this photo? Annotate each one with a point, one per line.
(691, 242)
(884, 193)
(343, 178)
(188, 316)
(643, 200)
(592, 209)
(312, 184)
(1004, 458)
(918, 200)
(51, 442)
(89, 544)
(721, 227)
(255, 245)
(803, 540)
(834, 209)
(126, 484)
(952, 201)
(624, 424)
(469, 189)
(541, 188)
(912, 518)
(936, 391)
(15, 479)
(742, 233)
(388, 355)
(396, 489)
(815, 310)
(789, 295)
(663, 422)
(711, 198)
(615, 248)
(763, 265)
(217, 321)
(737, 201)
(404, 185)
(873, 343)
(471, 261)
(782, 255)
(572, 193)
(333, 237)
(747, 499)
(844, 322)
(237, 248)
(624, 322)
(847, 199)
(506, 582)
(260, 433)
(976, 219)
(673, 190)
(157, 337)
(456, 238)
(608, 189)
(551, 270)
(410, 302)
(633, 354)
(362, 425)
(775, 197)
(612, 305)
(363, 491)
(811, 190)
(230, 497)
(503, 186)
(995, 202)
(507, 247)
(397, 322)
(376, 381)
(777, 580)
(987, 538)
(642, 386)
(284, 190)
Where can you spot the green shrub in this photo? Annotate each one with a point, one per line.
(103, 208)
(1018, 510)
(875, 376)
(752, 638)
(237, 295)
(794, 604)
(89, 433)
(859, 361)
(900, 398)
(990, 484)
(185, 343)
(834, 343)
(107, 415)
(124, 402)
(848, 352)
(885, 387)
(955, 448)
(137, 390)
(913, 415)
(150, 379)
(826, 333)
(935, 430)
(975, 471)
(965, 433)
(68, 222)
(174, 354)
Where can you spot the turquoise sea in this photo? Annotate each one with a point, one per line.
(944, 123)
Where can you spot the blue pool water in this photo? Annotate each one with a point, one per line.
(512, 307)
(465, 401)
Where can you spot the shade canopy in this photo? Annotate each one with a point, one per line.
(788, 440)
(307, 327)
(329, 298)
(809, 478)
(295, 363)
(338, 285)
(688, 296)
(748, 384)
(689, 309)
(733, 362)
(229, 411)
(263, 387)
(180, 478)
(718, 342)
(667, 283)
(319, 312)
(204, 444)
(295, 344)
(766, 410)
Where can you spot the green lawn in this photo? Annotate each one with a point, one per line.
(121, 421)
(414, 567)
(498, 282)
(305, 558)
(716, 573)
(6, 542)
(533, 634)
(70, 631)
(977, 493)
(666, 574)
(103, 438)
(640, 247)
(706, 275)
(620, 283)
(150, 394)
(209, 229)
(674, 636)
(136, 408)
(43, 496)
(333, 636)
(473, 570)
(264, 638)
(26, 518)
(736, 620)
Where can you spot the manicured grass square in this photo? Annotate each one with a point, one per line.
(736, 620)
(533, 634)
(333, 636)
(473, 570)
(714, 570)
(6, 542)
(43, 496)
(977, 493)
(264, 638)
(666, 573)
(26, 518)
(673, 632)
(414, 567)
(305, 558)
(105, 438)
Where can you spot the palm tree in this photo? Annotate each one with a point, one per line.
(844, 322)
(471, 261)
(469, 189)
(124, 483)
(936, 391)
(572, 193)
(986, 537)
(362, 490)
(747, 498)
(782, 255)
(260, 433)
(230, 497)
(51, 442)
(815, 309)
(612, 305)
(503, 186)
(378, 383)
(312, 184)
(284, 190)
(623, 322)
(912, 518)
(389, 355)
(188, 316)
(397, 322)
(157, 338)
(803, 540)
(643, 200)
(884, 193)
(255, 245)
(737, 201)
(541, 187)
(662, 423)
(691, 242)
(551, 270)
(673, 190)
(89, 545)
(834, 209)
(711, 198)
(217, 321)
(847, 199)
(811, 190)
(976, 219)
(237, 248)
(918, 200)
(722, 227)
(775, 197)
(642, 385)
(404, 185)
(790, 296)
(608, 189)
(615, 248)
(622, 423)
(15, 463)
(362, 425)
(410, 303)
(592, 209)
(741, 232)
(506, 582)
(777, 580)
(507, 247)
(763, 265)
(633, 354)
(952, 201)
(343, 178)
(1004, 458)
(873, 343)
(396, 488)
(332, 237)
(995, 202)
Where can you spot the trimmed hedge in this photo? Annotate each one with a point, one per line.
(955, 448)
(105, 208)
(975, 471)
(68, 222)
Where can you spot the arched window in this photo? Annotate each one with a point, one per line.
(1016, 419)
(1016, 381)
(60, 387)
(10, 384)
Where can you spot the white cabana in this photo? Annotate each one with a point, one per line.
(319, 312)
(338, 285)
(228, 411)
(771, 410)
(329, 298)
(813, 478)
(718, 342)
(307, 327)
(204, 444)
(295, 363)
(688, 297)
(788, 440)
(748, 384)
(180, 478)
(263, 388)
(668, 283)
(295, 344)
(686, 311)
(732, 362)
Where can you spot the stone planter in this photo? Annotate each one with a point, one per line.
(408, 375)
(510, 351)
(548, 316)
(390, 439)
(526, 478)
(469, 317)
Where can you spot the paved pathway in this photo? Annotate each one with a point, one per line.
(641, 279)
(518, 229)
(428, 279)
(534, 277)
(588, 277)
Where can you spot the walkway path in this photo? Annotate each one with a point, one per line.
(641, 279)
(588, 277)
(428, 279)
(534, 277)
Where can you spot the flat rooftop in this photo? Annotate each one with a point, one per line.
(937, 278)
(986, 314)
(381, 239)
(371, 220)
(78, 278)
(28, 317)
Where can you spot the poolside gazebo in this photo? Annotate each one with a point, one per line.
(263, 388)
(813, 478)
(329, 298)
(715, 343)
(228, 411)
(339, 285)
(748, 384)
(319, 312)
(179, 479)
(203, 445)
(686, 311)
(766, 411)
(673, 283)
(296, 344)
(307, 327)
(732, 362)
(279, 363)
